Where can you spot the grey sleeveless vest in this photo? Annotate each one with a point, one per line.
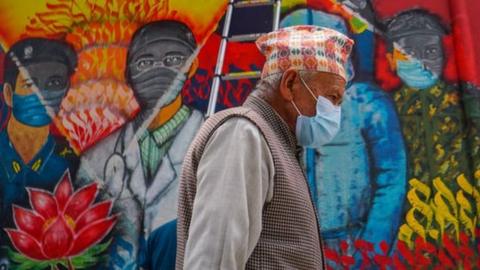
(290, 236)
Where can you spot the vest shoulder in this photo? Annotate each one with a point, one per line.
(225, 115)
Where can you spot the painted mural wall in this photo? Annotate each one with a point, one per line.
(100, 100)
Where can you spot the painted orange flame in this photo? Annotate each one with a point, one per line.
(100, 31)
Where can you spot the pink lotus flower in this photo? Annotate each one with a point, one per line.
(61, 225)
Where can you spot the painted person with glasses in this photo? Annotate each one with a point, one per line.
(139, 165)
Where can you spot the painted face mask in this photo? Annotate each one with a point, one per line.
(30, 111)
(415, 75)
(320, 129)
(153, 84)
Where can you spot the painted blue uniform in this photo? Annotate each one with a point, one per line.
(43, 172)
(362, 172)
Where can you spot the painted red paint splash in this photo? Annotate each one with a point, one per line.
(424, 255)
(239, 57)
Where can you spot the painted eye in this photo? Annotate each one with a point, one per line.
(431, 52)
(143, 64)
(173, 60)
(28, 85)
(56, 84)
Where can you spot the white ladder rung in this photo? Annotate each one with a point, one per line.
(245, 37)
(242, 75)
(253, 3)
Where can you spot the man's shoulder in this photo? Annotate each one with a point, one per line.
(236, 126)
(239, 123)
(229, 116)
(239, 111)
(231, 126)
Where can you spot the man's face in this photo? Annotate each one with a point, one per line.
(154, 68)
(50, 78)
(328, 85)
(426, 48)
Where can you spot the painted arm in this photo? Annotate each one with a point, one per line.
(387, 158)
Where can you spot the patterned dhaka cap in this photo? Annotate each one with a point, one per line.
(305, 47)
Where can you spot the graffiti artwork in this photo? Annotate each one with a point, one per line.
(101, 99)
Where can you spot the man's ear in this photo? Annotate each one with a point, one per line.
(8, 94)
(391, 61)
(286, 84)
(193, 68)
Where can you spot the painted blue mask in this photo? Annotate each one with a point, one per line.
(320, 129)
(30, 111)
(415, 75)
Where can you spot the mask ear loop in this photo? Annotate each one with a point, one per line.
(296, 108)
(306, 86)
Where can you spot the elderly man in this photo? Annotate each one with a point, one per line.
(244, 200)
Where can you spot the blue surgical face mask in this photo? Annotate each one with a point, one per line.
(320, 129)
(415, 74)
(29, 110)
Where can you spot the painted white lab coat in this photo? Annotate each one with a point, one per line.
(115, 163)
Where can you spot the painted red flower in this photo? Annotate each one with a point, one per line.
(61, 225)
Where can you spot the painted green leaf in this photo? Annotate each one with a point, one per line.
(97, 249)
(32, 265)
(88, 259)
(22, 263)
(91, 256)
(15, 256)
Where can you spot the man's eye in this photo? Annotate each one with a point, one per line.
(336, 99)
(144, 64)
(173, 60)
(333, 99)
(28, 83)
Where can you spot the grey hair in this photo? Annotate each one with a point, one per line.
(269, 84)
(307, 75)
